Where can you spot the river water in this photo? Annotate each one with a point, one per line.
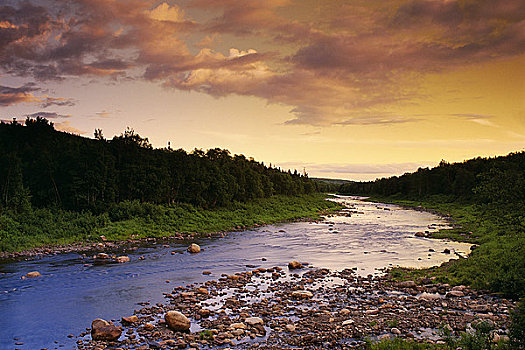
(37, 313)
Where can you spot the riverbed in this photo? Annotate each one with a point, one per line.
(367, 237)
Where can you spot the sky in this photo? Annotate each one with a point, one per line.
(354, 89)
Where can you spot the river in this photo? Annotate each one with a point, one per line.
(40, 312)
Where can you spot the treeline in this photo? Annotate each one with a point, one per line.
(483, 180)
(486, 197)
(41, 167)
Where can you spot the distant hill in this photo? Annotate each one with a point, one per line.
(331, 181)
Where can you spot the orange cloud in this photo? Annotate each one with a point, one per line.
(331, 62)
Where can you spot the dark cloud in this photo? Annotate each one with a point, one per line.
(329, 61)
(11, 95)
(25, 94)
(48, 115)
(57, 101)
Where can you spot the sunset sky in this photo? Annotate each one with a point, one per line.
(353, 89)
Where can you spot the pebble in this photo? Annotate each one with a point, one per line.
(251, 310)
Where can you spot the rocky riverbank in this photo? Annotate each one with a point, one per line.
(104, 245)
(312, 308)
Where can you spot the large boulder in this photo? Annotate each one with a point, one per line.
(194, 248)
(104, 330)
(177, 321)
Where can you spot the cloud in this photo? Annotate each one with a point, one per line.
(67, 127)
(378, 120)
(481, 119)
(56, 101)
(48, 115)
(25, 94)
(165, 12)
(10, 95)
(332, 62)
(103, 114)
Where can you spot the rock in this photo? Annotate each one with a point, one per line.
(446, 251)
(302, 294)
(32, 274)
(149, 327)
(428, 296)
(130, 319)
(201, 290)
(455, 294)
(344, 312)
(101, 258)
(194, 248)
(153, 344)
(104, 330)
(290, 328)
(347, 322)
(252, 321)
(204, 312)
(395, 331)
(406, 284)
(103, 238)
(420, 234)
(206, 272)
(177, 321)
(293, 265)
(238, 325)
(238, 332)
(123, 259)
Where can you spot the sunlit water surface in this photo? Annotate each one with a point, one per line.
(41, 312)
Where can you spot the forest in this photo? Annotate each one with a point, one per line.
(41, 167)
(484, 180)
(58, 188)
(486, 200)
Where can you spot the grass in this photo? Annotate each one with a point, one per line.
(133, 219)
(400, 344)
(498, 230)
(480, 336)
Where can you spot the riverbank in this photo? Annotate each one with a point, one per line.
(498, 231)
(46, 232)
(312, 308)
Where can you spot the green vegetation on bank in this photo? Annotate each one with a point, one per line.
(497, 262)
(38, 227)
(59, 188)
(482, 335)
(485, 197)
